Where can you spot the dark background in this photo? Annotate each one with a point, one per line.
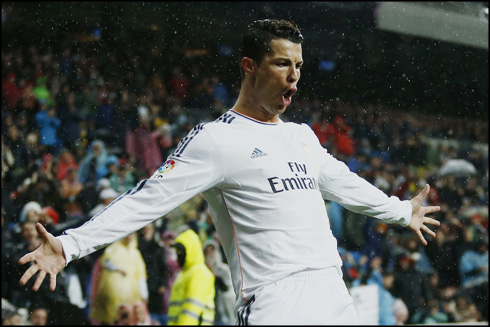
(367, 65)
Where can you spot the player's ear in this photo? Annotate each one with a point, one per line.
(249, 66)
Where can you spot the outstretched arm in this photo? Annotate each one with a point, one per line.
(192, 169)
(48, 259)
(418, 218)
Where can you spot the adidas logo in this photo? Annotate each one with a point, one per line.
(257, 153)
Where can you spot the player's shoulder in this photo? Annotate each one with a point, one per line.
(224, 120)
(299, 127)
(303, 130)
(210, 130)
(223, 125)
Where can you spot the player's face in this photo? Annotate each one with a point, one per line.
(278, 75)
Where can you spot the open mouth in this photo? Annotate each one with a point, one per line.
(286, 97)
(289, 93)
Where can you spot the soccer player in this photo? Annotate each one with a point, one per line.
(266, 182)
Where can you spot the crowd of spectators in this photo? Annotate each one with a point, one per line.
(80, 127)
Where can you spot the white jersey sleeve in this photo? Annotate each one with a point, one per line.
(194, 167)
(337, 183)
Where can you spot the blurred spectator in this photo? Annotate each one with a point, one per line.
(103, 184)
(125, 118)
(168, 239)
(442, 254)
(193, 292)
(8, 159)
(451, 193)
(204, 94)
(358, 162)
(400, 311)
(120, 278)
(125, 315)
(473, 265)
(11, 91)
(392, 310)
(463, 310)
(142, 316)
(94, 165)
(38, 315)
(353, 230)
(28, 101)
(120, 176)
(30, 212)
(409, 285)
(417, 252)
(225, 295)
(474, 192)
(70, 189)
(48, 166)
(378, 243)
(70, 117)
(51, 214)
(87, 101)
(219, 90)
(33, 148)
(18, 148)
(178, 83)
(165, 139)
(324, 129)
(142, 144)
(39, 188)
(65, 63)
(156, 265)
(343, 136)
(66, 161)
(11, 318)
(105, 110)
(134, 315)
(29, 236)
(48, 124)
(106, 197)
(42, 93)
(217, 109)
(8, 258)
(14, 248)
(433, 314)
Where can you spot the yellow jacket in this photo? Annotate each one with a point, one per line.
(192, 295)
(114, 288)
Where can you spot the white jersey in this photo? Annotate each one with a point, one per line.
(265, 184)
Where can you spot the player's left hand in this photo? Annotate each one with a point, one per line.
(418, 220)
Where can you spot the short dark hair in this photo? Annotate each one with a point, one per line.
(257, 38)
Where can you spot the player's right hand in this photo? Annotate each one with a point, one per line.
(47, 259)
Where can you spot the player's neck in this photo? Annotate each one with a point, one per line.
(247, 106)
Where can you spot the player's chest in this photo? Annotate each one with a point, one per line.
(271, 161)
